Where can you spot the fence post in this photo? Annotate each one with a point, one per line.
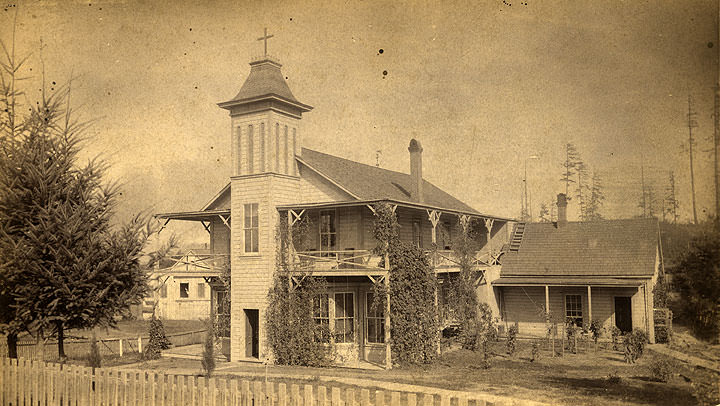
(335, 396)
(308, 392)
(295, 395)
(428, 400)
(258, 394)
(321, 396)
(121, 347)
(395, 399)
(140, 344)
(364, 397)
(282, 394)
(412, 399)
(380, 398)
(350, 397)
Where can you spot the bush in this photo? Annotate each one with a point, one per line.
(94, 359)
(572, 331)
(615, 333)
(535, 351)
(634, 345)
(613, 378)
(158, 340)
(512, 338)
(486, 333)
(662, 334)
(706, 389)
(208, 359)
(662, 368)
(595, 329)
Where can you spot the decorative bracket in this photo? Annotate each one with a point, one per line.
(162, 227)
(225, 220)
(465, 222)
(489, 224)
(434, 217)
(206, 226)
(372, 209)
(295, 217)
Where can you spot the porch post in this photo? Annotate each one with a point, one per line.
(589, 304)
(291, 255)
(386, 281)
(547, 302)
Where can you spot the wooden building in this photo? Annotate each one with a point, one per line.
(274, 174)
(581, 271)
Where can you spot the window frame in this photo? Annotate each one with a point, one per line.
(251, 228)
(577, 311)
(201, 290)
(323, 316)
(186, 285)
(346, 338)
(333, 233)
(377, 320)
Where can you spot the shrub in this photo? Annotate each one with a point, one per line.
(595, 329)
(613, 378)
(662, 368)
(208, 356)
(662, 334)
(535, 351)
(706, 389)
(486, 333)
(572, 331)
(512, 338)
(158, 340)
(634, 345)
(94, 359)
(615, 333)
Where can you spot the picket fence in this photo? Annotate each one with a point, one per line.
(27, 382)
(108, 346)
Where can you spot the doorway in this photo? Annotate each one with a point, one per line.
(252, 332)
(623, 313)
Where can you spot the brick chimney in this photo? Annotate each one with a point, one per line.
(562, 210)
(416, 189)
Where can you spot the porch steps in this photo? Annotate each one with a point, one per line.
(517, 236)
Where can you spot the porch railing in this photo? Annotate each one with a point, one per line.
(447, 259)
(198, 262)
(338, 260)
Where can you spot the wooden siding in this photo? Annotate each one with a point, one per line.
(525, 305)
(252, 272)
(314, 189)
(219, 238)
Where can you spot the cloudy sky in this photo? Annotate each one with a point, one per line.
(482, 84)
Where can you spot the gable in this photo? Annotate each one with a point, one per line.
(221, 201)
(315, 188)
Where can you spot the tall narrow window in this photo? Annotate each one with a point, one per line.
(163, 291)
(277, 148)
(251, 227)
(375, 321)
(328, 233)
(446, 231)
(321, 315)
(250, 149)
(239, 150)
(294, 151)
(201, 290)
(261, 153)
(184, 290)
(573, 309)
(417, 233)
(344, 318)
(287, 152)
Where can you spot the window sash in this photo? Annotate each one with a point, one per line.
(201, 290)
(251, 227)
(573, 308)
(344, 325)
(374, 321)
(328, 232)
(184, 290)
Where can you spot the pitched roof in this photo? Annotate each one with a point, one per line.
(610, 248)
(372, 183)
(265, 78)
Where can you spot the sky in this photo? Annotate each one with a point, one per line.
(483, 85)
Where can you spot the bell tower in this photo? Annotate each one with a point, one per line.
(265, 129)
(265, 121)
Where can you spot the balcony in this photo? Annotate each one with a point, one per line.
(339, 263)
(447, 261)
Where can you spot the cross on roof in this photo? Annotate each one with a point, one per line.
(264, 38)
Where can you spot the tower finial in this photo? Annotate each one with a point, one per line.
(264, 38)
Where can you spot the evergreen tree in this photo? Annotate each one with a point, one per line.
(569, 166)
(544, 213)
(64, 264)
(671, 205)
(597, 197)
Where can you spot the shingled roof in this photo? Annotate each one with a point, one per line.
(368, 182)
(608, 248)
(265, 79)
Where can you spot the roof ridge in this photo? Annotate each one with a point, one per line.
(358, 163)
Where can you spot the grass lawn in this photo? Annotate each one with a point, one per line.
(570, 380)
(135, 328)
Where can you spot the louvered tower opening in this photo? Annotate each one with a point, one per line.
(517, 236)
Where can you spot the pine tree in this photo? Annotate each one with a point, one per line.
(158, 340)
(569, 166)
(596, 199)
(581, 171)
(544, 213)
(671, 203)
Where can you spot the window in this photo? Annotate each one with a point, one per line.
(184, 289)
(251, 227)
(573, 309)
(417, 233)
(321, 315)
(446, 232)
(201, 290)
(328, 234)
(250, 149)
(163, 291)
(344, 318)
(375, 321)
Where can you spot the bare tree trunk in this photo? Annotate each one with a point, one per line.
(12, 345)
(61, 340)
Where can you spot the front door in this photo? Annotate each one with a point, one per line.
(623, 313)
(252, 333)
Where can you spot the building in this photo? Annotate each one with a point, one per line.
(274, 175)
(581, 271)
(179, 287)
